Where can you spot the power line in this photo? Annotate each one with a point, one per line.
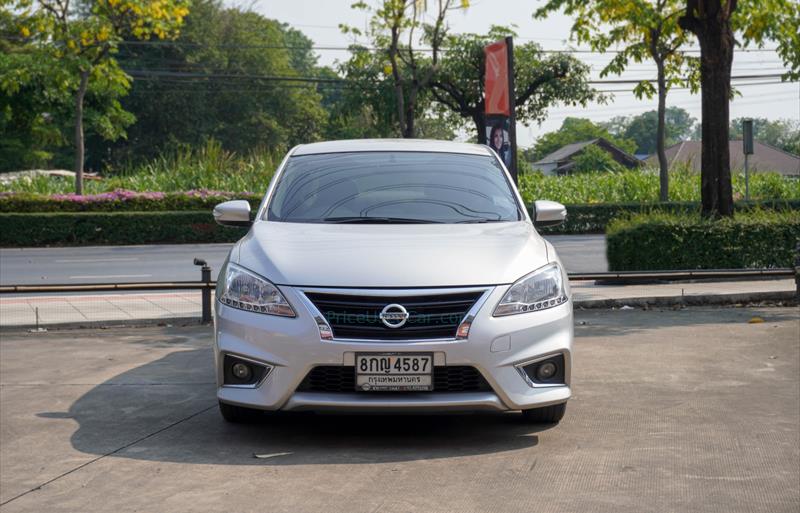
(284, 78)
(374, 49)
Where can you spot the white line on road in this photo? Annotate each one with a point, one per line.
(98, 276)
(95, 260)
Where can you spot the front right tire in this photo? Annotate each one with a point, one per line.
(547, 415)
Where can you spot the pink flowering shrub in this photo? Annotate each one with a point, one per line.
(119, 200)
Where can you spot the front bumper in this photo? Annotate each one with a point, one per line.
(293, 346)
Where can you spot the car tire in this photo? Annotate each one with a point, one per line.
(238, 414)
(547, 415)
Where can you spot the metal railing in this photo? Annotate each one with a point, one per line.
(206, 285)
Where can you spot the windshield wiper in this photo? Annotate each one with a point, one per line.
(377, 220)
(480, 220)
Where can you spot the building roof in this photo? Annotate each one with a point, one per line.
(562, 156)
(764, 157)
(390, 145)
(565, 152)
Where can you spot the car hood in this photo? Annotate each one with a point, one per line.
(396, 255)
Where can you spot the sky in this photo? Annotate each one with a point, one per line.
(319, 20)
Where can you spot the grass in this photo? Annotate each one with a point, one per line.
(211, 167)
(642, 186)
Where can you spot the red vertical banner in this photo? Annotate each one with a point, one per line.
(499, 101)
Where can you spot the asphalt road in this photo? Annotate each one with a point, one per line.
(116, 264)
(692, 410)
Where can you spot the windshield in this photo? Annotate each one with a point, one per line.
(393, 187)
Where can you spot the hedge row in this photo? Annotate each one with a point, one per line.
(595, 218)
(580, 218)
(661, 241)
(72, 229)
(80, 228)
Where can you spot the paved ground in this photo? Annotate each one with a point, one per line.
(22, 310)
(112, 264)
(675, 410)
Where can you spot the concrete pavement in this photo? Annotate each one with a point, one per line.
(18, 310)
(115, 264)
(691, 410)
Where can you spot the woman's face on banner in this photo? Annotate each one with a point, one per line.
(497, 139)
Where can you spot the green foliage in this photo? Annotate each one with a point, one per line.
(594, 159)
(21, 203)
(575, 130)
(642, 128)
(209, 167)
(641, 30)
(661, 241)
(207, 84)
(76, 229)
(641, 186)
(79, 40)
(541, 80)
(773, 21)
(395, 27)
(595, 218)
(780, 133)
(37, 105)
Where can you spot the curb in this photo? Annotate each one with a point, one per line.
(122, 323)
(693, 300)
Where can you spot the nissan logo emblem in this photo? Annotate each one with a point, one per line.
(394, 316)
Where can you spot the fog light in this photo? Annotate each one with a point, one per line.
(546, 371)
(241, 371)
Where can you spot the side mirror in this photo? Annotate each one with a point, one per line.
(548, 213)
(233, 213)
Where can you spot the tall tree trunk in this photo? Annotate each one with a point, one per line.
(480, 124)
(407, 123)
(710, 21)
(716, 59)
(79, 147)
(663, 166)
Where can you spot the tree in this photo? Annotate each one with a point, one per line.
(715, 23)
(646, 29)
(395, 27)
(541, 80)
(82, 38)
(575, 130)
(594, 159)
(228, 77)
(780, 133)
(643, 128)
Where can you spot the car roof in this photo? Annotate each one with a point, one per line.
(360, 145)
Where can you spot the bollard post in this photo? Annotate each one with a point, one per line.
(205, 277)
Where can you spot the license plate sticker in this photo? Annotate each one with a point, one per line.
(377, 372)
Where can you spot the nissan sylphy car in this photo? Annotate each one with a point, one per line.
(392, 276)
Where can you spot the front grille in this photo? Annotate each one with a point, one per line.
(339, 378)
(430, 316)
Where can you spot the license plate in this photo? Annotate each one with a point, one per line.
(377, 372)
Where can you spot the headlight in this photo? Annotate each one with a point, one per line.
(541, 289)
(247, 291)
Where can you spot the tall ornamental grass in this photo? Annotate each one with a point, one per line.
(209, 167)
(642, 186)
(212, 168)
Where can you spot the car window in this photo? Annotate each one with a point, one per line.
(393, 187)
